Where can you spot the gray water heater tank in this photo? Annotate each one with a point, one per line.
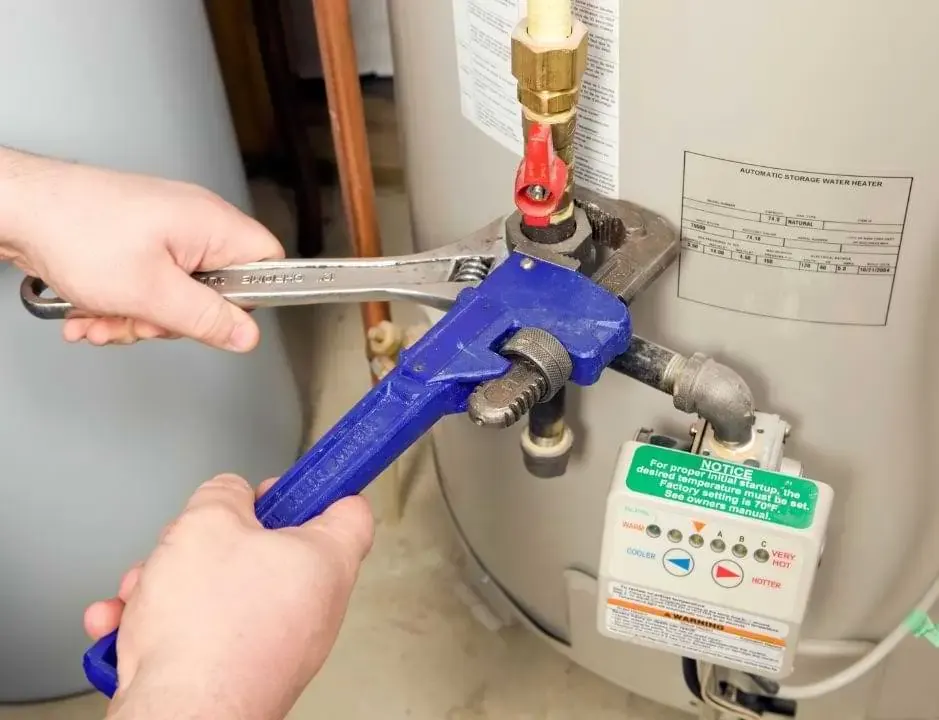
(99, 447)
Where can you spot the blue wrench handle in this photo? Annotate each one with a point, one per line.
(100, 664)
(385, 423)
(371, 436)
(434, 378)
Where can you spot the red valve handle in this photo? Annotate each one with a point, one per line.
(541, 178)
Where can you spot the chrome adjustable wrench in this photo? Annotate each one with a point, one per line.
(434, 278)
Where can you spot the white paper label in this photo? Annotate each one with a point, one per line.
(696, 628)
(488, 89)
(790, 244)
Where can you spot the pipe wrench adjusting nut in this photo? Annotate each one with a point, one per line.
(546, 353)
(541, 367)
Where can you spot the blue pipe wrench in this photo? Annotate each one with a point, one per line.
(528, 287)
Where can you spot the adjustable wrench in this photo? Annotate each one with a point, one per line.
(434, 278)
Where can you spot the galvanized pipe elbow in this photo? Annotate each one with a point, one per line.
(704, 387)
(698, 385)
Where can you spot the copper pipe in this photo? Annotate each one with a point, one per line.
(347, 118)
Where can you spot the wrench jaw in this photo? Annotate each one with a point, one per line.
(643, 244)
(622, 246)
(578, 250)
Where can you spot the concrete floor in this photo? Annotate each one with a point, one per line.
(413, 645)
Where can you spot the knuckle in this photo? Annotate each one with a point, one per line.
(213, 515)
(209, 199)
(168, 532)
(228, 480)
(225, 485)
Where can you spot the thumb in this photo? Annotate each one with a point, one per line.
(193, 310)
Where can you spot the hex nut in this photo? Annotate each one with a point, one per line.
(552, 67)
(579, 246)
(548, 103)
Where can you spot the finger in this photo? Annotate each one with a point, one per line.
(103, 617)
(350, 522)
(264, 487)
(148, 331)
(129, 582)
(229, 492)
(75, 329)
(111, 331)
(187, 307)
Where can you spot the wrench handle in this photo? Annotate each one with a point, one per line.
(371, 436)
(100, 664)
(384, 423)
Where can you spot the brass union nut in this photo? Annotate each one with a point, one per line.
(548, 103)
(552, 67)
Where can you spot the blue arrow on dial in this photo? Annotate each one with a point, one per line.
(683, 563)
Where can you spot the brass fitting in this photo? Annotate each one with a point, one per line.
(549, 76)
(563, 126)
(567, 155)
(549, 67)
(547, 102)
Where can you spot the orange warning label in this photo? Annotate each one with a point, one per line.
(687, 626)
(698, 622)
(699, 526)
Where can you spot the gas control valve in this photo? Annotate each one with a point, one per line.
(709, 550)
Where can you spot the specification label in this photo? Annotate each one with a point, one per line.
(694, 627)
(791, 244)
(488, 91)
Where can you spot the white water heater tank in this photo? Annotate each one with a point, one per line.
(815, 121)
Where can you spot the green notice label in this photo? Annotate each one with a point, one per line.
(726, 487)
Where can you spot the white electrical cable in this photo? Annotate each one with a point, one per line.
(868, 662)
(550, 20)
(834, 648)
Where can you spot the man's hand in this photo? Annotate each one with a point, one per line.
(122, 247)
(227, 619)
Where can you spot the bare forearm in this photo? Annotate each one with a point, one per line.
(152, 696)
(27, 190)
